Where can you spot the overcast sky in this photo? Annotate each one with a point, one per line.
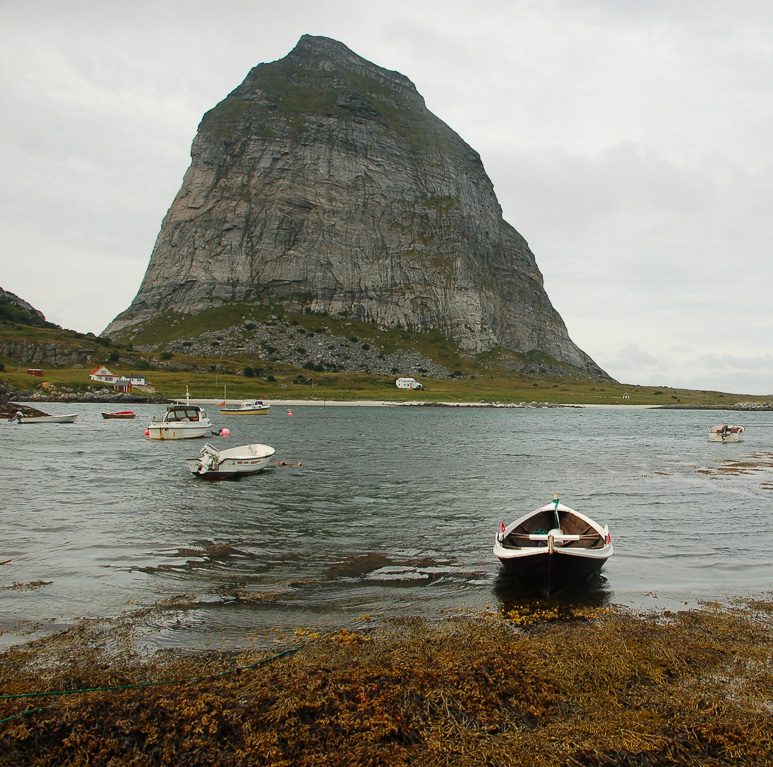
(630, 142)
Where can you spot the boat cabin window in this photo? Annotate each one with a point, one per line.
(183, 414)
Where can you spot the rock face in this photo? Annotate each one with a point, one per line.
(323, 183)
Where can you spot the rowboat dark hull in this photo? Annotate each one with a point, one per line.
(553, 573)
(124, 414)
(553, 548)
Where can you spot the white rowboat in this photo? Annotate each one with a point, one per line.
(20, 418)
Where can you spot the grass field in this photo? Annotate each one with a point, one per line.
(293, 383)
(484, 378)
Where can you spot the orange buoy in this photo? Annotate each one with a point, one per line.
(289, 412)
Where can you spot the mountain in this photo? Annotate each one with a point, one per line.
(323, 184)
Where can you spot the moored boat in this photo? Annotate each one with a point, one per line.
(230, 463)
(181, 421)
(19, 417)
(247, 407)
(553, 548)
(120, 414)
(726, 433)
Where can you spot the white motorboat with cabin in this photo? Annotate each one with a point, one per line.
(181, 421)
(553, 547)
(247, 407)
(726, 433)
(231, 463)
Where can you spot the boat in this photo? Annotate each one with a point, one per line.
(553, 548)
(247, 407)
(181, 421)
(726, 433)
(230, 463)
(19, 417)
(120, 414)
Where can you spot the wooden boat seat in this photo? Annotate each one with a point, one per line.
(522, 540)
(570, 525)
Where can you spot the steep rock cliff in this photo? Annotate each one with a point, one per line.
(322, 182)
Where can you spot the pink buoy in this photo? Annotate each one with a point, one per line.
(289, 412)
(147, 432)
(225, 432)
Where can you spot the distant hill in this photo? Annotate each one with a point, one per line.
(323, 185)
(16, 311)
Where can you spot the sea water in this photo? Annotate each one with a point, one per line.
(392, 511)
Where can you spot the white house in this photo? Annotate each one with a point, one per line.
(136, 380)
(101, 373)
(407, 383)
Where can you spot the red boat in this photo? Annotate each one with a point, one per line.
(120, 414)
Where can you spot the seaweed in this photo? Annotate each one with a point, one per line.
(586, 687)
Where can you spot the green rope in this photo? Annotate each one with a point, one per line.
(23, 713)
(189, 680)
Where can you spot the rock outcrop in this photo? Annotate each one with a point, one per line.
(323, 183)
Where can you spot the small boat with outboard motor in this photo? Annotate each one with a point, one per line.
(726, 433)
(230, 463)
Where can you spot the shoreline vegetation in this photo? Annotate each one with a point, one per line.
(538, 685)
(500, 388)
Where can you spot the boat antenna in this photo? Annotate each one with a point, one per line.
(555, 510)
(187, 396)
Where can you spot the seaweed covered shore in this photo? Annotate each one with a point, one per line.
(583, 686)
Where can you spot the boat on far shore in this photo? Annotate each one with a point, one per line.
(247, 407)
(120, 414)
(726, 433)
(19, 417)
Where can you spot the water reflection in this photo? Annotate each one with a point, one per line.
(515, 596)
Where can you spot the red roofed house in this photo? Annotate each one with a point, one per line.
(101, 373)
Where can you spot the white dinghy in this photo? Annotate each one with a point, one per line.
(19, 417)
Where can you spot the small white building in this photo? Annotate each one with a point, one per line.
(407, 383)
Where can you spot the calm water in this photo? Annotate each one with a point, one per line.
(394, 510)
